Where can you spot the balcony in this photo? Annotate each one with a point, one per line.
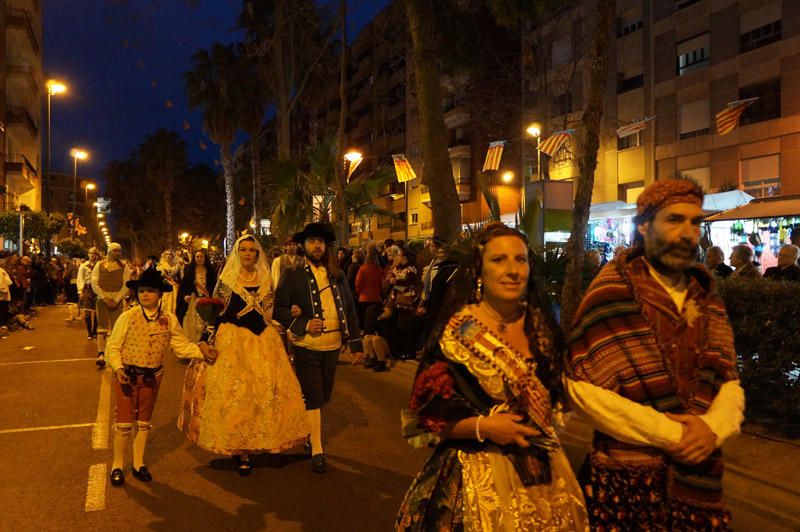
(456, 113)
(21, 19)
(21, 175)
(18, 67)
(19, 115)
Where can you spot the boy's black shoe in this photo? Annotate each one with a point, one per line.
(142, 474)
(319, 464)
(117, 477)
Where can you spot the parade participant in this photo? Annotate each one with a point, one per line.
(142, 338)
(249, 401)
(314, 303)
(71, 296)
(108, 282)
(289, 259)
(651, 329)
(170, 268)
(87, 297)
(199, 279)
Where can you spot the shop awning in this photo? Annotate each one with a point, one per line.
(761, 208)
(611, 209)
(722, 201)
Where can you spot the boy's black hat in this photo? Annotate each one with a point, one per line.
(151, 278)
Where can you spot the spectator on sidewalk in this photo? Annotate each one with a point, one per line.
(715, 262)
(742, 260)
(357, 259)
(369, 287)
(787, 269)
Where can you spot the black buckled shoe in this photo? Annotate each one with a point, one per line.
(319, 463)
(243, 466)
(117, 477)
(142, 474)
(101, 361)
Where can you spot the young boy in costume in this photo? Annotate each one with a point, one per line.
(142, 337)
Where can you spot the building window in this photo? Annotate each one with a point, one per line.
(761, 176)
(680, 4)
(631, 141)
(562, 104)
(701, 176)
(759, 37)
(768, 105)
(561, 53)
(626, 27)
(628, 84)
(694, 119)
(694, 54)
(414, 217)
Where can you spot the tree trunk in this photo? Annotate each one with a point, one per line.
(168, 216)
(227, 169)
(341, 171)
(590, 143)
(438, 175)
(282, 84)
(255, 168)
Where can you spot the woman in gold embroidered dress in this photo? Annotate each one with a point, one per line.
(485, 394)
(249, 400)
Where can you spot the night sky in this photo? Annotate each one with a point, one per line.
(123, 61)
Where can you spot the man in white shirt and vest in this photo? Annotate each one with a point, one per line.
(108, 282)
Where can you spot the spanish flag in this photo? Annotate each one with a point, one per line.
(493, 155)
(403, 168)
(728, 118)
(553, 143)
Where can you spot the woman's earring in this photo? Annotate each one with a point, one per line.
(479, 291)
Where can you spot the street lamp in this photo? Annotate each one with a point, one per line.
(508, 177)
(87, 187)
(351, 160)
(535, 130)
(76, 154)
(53, 87)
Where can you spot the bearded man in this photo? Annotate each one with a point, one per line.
(313, 301)
(652, 329)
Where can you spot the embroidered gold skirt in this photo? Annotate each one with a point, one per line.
(248, 401)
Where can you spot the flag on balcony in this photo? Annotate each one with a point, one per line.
(728, 118)
(493, 155)
(634, 127)
(79, 229)
(403, 168)
(553, 143)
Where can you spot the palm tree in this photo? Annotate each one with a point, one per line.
(213, 86)
(163, 157)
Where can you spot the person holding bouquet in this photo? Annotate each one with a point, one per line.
(249, 400)
(142, 337)
(199, 279)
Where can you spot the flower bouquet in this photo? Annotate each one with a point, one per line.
(208, 308)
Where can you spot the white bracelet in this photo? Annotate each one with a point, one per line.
(478, 429)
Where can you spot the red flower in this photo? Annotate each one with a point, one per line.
(435, 380)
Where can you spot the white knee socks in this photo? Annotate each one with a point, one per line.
(315, 420)
(139, 444)
(122, 436)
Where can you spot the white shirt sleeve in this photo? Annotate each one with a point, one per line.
(621, 418)
(179, 343)
(81, 280)
(726, 413)
(113, 354)
(276, 272)
(96, 281)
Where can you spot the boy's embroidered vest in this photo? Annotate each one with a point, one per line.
(110, 281)
(147, 342)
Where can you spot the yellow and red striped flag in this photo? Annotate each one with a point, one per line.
(728, 118)
(403, 168)
(634, 127)
(553, 143)
(493, 155)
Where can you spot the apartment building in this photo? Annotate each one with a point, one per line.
(22, 84)
(681, 62)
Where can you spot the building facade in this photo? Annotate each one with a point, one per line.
(22, 84)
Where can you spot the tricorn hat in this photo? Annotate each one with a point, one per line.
(315, 229)
(151, 278)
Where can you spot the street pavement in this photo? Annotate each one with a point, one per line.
(55, 435)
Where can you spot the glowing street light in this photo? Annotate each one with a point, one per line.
(54, 87)
(76, 153)
(351, 160)
(100, 215)
(508, 177)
